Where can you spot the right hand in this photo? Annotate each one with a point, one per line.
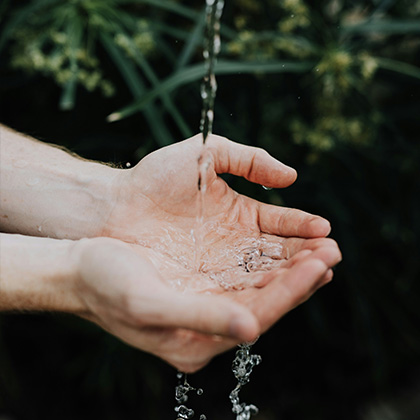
(126, 295)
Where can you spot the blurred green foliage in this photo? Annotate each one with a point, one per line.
(331, 88)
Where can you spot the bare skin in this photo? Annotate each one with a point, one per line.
(125, 284)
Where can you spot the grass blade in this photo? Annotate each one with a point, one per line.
(22, 15)
(196, 72)
(384, 27)
(399, 67)
(195, 38)
(137, 87)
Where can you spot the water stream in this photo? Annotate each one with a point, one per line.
(252, 254)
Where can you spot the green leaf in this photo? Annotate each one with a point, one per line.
(21, 16)
(384, 27)
(137, 87)
(196, 72)
(399, 67)
(141, 61)
(75, 34)
(194, 39)
(170, 6)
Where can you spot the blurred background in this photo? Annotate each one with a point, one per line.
(331, 88)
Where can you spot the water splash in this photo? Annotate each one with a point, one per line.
(181, 397)
(230, 256)
(242, 367)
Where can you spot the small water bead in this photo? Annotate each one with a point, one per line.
(262, 264)
(200, 391)
(267, 188)
(203, 417)
(128, 165)
(184, 412)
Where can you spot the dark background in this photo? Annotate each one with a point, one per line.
(342, 106)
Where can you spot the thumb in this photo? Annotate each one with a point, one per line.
(252, 163)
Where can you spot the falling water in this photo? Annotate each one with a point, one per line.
(181, 396)
(214, 9)
(250, 258)
(242, 367)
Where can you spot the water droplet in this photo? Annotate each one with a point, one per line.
(199, 391)
(298, 97)
(39, 228)
(32, 181)
(203, 417)
(128, 165)
(267, 188)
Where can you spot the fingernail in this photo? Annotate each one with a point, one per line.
(321, 226)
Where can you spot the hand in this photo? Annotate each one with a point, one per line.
(122, 291)
(158, 202)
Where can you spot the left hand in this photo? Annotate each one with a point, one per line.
(157, 201)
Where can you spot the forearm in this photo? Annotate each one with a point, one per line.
(38, 274)
(47, 192)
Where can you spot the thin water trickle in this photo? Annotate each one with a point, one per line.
(214, 9)
(249, 251)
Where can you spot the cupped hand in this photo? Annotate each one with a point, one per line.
(162, 187)
(158, 200)
(126, 294)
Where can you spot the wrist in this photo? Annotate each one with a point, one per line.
(48, 192)
(39, 274)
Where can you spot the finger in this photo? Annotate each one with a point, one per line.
(252, 163)
(206, 314)
(291, 222)
(326, 249)
(288, 291)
